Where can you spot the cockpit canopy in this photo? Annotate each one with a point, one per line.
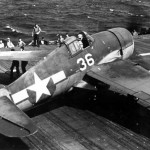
(73, 45)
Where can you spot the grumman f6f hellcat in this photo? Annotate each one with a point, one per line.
(57, 72)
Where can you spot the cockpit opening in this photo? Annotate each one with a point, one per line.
(85, 39)
(73, 45)
(76, 45)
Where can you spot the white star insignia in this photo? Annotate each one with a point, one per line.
(40, 87)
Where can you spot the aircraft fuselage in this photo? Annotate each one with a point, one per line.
(67, 65)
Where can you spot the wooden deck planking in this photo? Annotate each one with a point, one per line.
(59, 129)
(68, 128)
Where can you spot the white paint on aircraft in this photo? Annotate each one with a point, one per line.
(11, 53)
(111, 57)
(40, 87)
(58, 77)
(144, 54)
(128, 51)
(116, 55)
(87, 61)
(19, 96)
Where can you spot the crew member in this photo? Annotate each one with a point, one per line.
(67, 36)
(1, 44)
(85, 38)
(60, 40)
(21, 44)
(35, 34)
(80, 37)
(9, 44)
(43, 41)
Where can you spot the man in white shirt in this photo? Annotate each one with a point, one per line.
(15, 63)
(9, 44)
(1, 44)
(21, 44)
(35, 33)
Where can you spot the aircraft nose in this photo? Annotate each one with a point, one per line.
(126, 41)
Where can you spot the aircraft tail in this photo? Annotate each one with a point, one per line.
(13, 121)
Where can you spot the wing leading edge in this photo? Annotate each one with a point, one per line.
(14, 122)
(125, 77)
(23, 55)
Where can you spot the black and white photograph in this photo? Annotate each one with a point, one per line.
(74, 74)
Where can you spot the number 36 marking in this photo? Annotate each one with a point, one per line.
(87, 61)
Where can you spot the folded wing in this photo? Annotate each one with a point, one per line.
(14, 122)
(125, 77)
(23, 55)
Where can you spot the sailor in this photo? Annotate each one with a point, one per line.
(80, 37)
(9, 44)
(60, 40)
(35, 33)
(21, 44)
(1, 44)
(85, 38)
(43, 41)
(135, 34)
(67, 36)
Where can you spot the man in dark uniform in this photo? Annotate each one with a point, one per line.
(85, 38)
(35, 34)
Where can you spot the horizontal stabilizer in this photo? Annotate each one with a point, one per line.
(23, 55)
(14, 122)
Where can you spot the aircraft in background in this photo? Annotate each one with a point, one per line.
(60, 70)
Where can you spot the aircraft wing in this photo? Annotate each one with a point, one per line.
(14, 122)
(125, 77)
(23, 55)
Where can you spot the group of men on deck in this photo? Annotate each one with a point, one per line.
(21, 45)
(15, 63)
(83, 38)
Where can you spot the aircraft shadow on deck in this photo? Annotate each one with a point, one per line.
(120, 109)
(7, 143)
(123, 110)
(5, 78)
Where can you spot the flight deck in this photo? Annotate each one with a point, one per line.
(65, 127)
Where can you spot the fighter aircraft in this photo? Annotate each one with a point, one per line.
(105, 59)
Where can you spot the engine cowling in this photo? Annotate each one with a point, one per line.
(126, 41)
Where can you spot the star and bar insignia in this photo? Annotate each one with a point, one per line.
(40, 88)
